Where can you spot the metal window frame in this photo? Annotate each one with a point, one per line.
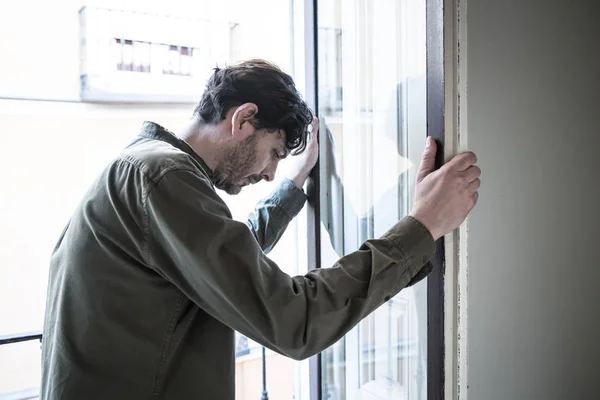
(435, 128)
(313, 204)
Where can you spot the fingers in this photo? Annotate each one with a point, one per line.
(313, 131)
(315, 125)
(428, 159)
(474, 186)
(463, 161)
(472, 173)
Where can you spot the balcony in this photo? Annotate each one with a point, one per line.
(251, 366)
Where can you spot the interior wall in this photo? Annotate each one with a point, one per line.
(534, 273)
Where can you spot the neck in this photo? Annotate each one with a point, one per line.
(204, 140)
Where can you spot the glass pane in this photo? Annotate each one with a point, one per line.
(373, 113)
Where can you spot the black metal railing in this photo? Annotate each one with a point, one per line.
(241, 349)
(31, 393)
(20, 337)
(265, 394)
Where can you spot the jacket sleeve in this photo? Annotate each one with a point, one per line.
(214, 260)
(273, 214)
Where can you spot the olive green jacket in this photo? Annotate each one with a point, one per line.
(151, 277)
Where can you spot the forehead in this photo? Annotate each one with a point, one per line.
(276, 139)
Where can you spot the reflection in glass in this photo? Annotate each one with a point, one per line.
(372, 110)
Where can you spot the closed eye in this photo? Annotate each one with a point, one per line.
(279, 155)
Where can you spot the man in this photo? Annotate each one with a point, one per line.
(152, 276)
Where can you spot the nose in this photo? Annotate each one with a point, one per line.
(269, 172)
(268, 177)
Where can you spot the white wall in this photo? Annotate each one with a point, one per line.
(534, 269)
(39, 40)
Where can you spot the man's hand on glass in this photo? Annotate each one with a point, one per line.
(298, 167)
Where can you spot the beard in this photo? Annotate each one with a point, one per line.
(236, 163)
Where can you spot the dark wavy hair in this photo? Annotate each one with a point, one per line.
(280, 106)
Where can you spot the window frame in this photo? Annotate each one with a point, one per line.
(436, 128)
(311, 85)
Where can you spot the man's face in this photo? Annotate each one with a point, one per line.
(249, 160)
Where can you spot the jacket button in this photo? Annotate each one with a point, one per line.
(387, 298)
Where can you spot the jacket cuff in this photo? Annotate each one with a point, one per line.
(413, 240)
(289, 198)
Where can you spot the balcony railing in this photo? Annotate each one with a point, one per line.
(27, 394)
(242, 348)
(20, 337)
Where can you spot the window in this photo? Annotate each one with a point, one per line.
(372, 97)
(372, 91)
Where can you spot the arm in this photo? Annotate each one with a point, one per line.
(272, 215)
(217, 263)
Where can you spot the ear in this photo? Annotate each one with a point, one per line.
(241, 120)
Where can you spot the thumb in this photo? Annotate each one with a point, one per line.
(428, 159)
